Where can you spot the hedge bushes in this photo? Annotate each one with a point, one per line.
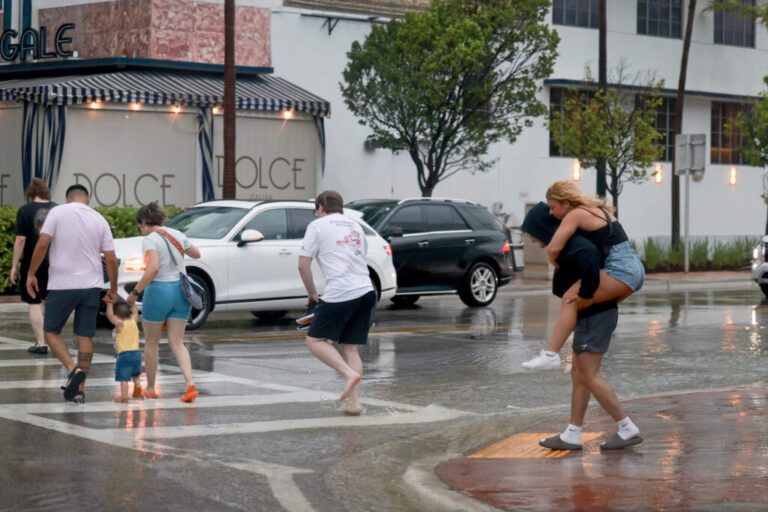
(120, 219)
(665, 257)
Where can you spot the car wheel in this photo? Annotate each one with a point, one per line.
(480, 285)
(198, 316)
(404, 300)
(269, 316)
(376, 284)
(764, 287)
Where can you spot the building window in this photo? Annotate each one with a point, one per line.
(660, 18)
(578, 13)
(557, 98)
(726, 140)
(665, 125)
(734, 28)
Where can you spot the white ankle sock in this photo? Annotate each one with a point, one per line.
(627, 429)
(549, 353)
(572, 434)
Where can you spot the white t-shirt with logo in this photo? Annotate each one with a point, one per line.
(339, 245)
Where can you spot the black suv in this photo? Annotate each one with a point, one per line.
(442, 246)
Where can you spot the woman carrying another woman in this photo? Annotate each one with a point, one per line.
(622, 273)
(163, 300)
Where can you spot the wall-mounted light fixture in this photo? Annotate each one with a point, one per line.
(287, 114)
(135, 106)
(576, 170)
(216, 109)
(658, 174)
(176, 109)
(95, 104)
(732, 176)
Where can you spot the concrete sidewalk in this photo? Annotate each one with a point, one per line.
(702, 451)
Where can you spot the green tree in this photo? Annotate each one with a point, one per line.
(447, 83)
(615, 125)
(752, 127)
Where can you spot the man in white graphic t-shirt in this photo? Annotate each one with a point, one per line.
(344, 313)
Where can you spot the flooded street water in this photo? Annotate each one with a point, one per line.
(266, 433)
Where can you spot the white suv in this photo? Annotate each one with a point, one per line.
(760, 265)
(249, 257)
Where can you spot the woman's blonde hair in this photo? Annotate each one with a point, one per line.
(565, 190)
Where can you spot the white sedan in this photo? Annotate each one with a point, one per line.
(249, 257)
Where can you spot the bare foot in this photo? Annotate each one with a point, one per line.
(353, 410)
(351, 382)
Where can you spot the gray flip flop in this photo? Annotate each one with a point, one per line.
(617, 443)
(556, 443)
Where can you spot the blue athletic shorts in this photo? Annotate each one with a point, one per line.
(128, 365)
(623, 264)
(163, 300)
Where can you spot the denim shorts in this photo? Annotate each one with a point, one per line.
(128, 365)
(163, 300)
(623, 264)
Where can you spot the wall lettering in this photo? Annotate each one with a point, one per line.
(33, 43)
(280, 174)
(3, 186)
(108, 189)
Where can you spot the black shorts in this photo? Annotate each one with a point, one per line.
(42, 285)
(593, 333)
(61, 303)
(345, 322)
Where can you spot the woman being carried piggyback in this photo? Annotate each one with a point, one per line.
(622, 273)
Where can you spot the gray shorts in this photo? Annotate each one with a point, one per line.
(61, 303)
(593, 333)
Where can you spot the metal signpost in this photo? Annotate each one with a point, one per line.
(689, 161)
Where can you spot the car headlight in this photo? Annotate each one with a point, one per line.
(135, 265)
(756, 253)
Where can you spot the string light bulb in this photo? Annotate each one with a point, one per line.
(287, 114)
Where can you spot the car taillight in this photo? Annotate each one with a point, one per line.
(506, 247)
(135, 265)
(387, 249)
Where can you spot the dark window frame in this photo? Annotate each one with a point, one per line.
(660, 18)
(576, 13)
(557, 96)
(665, 125)
(724, 147)
(735, 30)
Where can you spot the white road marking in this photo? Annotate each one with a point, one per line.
(280, 478)
(258, 427)
(7, 363)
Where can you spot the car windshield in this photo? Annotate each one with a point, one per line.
(373, 212)
(207, 221)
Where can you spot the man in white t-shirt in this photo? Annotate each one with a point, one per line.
(77, 236)
(344, 313)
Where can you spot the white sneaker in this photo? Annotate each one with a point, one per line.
(542, 362)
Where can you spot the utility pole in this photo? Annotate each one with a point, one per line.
(602, 83)
(678, 128)
(228, 188)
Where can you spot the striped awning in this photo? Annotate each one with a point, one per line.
(159, 87)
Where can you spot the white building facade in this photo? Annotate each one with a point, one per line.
(726, 66)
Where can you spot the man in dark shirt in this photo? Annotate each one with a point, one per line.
(580, 260)
(29, 220)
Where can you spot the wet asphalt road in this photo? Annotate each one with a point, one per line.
(440, 380)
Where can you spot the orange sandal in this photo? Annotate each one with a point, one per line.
(190, 394)
(149, 395)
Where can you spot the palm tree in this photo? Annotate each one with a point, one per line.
(228, 189)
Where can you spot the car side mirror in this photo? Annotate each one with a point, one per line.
(393, 231)
(249, 236)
